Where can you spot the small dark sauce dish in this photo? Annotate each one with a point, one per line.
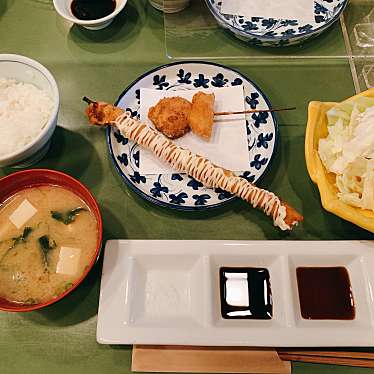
(245, 293)
(325, 293)
(88, 10)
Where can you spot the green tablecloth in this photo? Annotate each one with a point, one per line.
(61, 338)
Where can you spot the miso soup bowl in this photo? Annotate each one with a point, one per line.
(21, 180)
(24, 69)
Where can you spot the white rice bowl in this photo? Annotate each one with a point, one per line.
(29, 103)
(24, 111)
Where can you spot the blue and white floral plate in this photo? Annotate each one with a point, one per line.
(278, 32)
(180, 191)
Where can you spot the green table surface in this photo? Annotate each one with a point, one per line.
(61, 338)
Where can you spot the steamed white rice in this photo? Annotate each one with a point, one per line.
(24, 111)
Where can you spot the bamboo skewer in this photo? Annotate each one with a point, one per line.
(253, 111)
(249, 111)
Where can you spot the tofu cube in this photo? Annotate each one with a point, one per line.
(68, 261)
(22, 214)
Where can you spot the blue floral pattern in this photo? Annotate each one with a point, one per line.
(252, 99)
(194, 184)
(219, 80)
(123, 159)
(201, 82)
(178, 199)
(158, 189)
(278, 32)
(184, 77)
(137, 178)
(236, 82)
(258, 162)
(222, 194)
(201, 199)
(247, 176)
(136, 156)
(176, 177)
(134, 113)
(263, 140)
(260, 118)
(160, 82)
(120, 138)
(177, 190)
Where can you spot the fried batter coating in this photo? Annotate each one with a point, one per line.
(170, 116)
(100, 113)
(202, 115)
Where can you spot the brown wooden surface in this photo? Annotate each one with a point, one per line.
(207, 360)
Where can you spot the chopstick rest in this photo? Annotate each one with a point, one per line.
(192, 359)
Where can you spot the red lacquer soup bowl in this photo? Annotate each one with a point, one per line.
(16, 182)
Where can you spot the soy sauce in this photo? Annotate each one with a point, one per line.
(245, 293)
(87, 10)
(325, 293)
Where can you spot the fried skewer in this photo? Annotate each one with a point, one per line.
(101, 107)
(198, 167)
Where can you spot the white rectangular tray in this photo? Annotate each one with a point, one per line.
(167, 292)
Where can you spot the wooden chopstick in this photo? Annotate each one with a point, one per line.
(327, 360)
(253, 111)
(340, 354)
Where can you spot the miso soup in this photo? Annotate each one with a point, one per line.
(48, 236)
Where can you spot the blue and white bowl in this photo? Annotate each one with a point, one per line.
(179, 191)
(278, 32)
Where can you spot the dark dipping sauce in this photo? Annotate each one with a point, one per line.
(325, 293)
(245, 293)
(88, 10)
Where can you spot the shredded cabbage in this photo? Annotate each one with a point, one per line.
(348, 151)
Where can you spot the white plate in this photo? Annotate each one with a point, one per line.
(167, 292)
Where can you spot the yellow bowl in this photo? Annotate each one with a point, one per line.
(317, 129)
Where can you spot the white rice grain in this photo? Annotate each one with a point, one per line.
(24, 111)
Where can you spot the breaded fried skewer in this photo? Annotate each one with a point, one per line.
(107, 111)
(198, 167)
(175, 116)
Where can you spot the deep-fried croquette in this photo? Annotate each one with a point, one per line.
(170, 116)
(202, 115)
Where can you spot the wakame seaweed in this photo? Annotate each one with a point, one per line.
(67, 217)
(18, 240)
(21, 238)
(46, 245)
